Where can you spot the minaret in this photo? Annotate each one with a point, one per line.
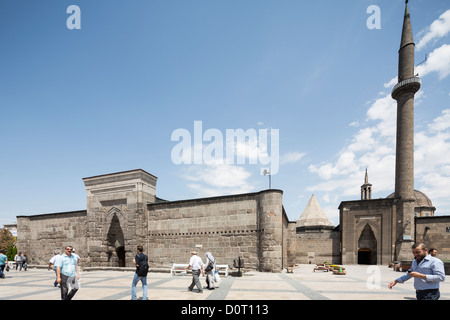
(403, 92)
(366, 189)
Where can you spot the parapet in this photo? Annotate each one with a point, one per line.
(133, 185)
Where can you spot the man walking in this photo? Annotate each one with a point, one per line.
(427, 272)
(18, 261)
(141, 262)
(196, 264)
(51, 265)
(67, 274)
(3, 263)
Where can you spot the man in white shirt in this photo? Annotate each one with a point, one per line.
(196, 264)
(77, 257)
(18, 261)
(51, 264)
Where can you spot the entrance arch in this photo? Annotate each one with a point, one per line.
(115, 240)
(367, 246)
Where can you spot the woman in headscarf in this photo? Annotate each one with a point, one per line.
(210, 270)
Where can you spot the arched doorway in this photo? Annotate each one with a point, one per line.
(115, 243)
(367, 246)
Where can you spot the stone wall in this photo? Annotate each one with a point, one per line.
(248, 225)
(313, 245)
(435, 232)
(41, 234)
(123, 212)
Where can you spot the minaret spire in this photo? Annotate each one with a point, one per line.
(406, 52)
(404, 92)
(366, 188)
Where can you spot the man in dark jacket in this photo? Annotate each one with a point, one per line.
(141, 262)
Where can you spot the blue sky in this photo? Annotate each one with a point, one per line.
(107, 97)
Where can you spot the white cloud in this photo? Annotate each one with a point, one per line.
(383, 108)
(432, 154)
(432, 159)
(291, 157)
(218, 179)
(391, 83)
(332, 213)
(363, 140)
(372, 146)
(438, 61)
(345, 164)
(438, 190)
(442, 122)
(438, 29)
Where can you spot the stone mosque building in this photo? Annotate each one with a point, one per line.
(123, 211)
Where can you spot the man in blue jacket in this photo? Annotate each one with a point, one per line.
(427, 271)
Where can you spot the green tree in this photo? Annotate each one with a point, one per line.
(11, 253)
(6, 239)
(7, 243)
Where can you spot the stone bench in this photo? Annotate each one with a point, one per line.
(321, 267)
(181, 268)
(222, 268)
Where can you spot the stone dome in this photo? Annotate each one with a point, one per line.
(422, 199)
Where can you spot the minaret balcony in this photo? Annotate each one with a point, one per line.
(407, 85)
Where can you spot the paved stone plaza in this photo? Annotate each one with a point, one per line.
(360, 283)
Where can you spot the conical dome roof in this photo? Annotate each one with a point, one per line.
(313, 215)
